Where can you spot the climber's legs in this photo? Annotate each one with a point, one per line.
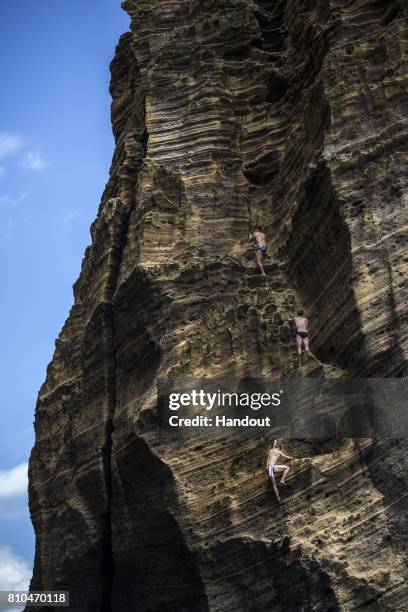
(302, 340)
(275, 488)
(284, 469)
(258, 258)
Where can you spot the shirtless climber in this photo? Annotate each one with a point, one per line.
(302, 335)
(273, 454)
(260, 239)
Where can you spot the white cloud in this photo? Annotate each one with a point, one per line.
(34, 161)
(15, 574)
(8, 204)
(31, 160)
(8, 144)
(6, 200)
(69, 218)
(14, 482)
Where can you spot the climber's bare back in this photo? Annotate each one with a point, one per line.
(301, 323)
(260, 238)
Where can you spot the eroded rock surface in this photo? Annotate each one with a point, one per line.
(291, 113)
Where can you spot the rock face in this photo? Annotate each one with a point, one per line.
(291, 113)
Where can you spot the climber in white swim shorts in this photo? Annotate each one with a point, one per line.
(273, 454)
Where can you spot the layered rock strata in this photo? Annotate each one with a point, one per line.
(291, 113)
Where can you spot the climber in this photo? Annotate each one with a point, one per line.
(259, 237)
(302, 335)
(273, 454)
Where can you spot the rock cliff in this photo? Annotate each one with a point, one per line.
(291, 113)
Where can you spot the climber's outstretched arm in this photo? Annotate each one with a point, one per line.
(286, 456)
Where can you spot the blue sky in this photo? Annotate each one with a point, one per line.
(56, 147)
